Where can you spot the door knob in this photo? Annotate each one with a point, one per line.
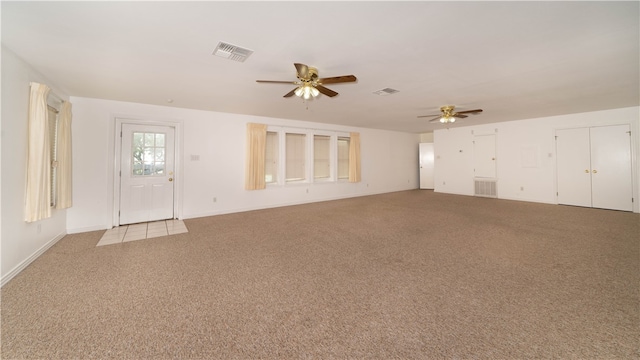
(595, 171)
(170, 179)
(587, 171)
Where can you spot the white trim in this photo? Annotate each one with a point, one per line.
(16, 270)
(291, 203)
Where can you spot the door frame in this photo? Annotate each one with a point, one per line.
(116, 168)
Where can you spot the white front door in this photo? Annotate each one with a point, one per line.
(147, 172)
(484, 155)
(426, 166)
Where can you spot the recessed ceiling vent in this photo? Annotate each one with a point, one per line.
(232, 52)
(385, 91)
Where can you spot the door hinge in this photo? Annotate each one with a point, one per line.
(120, 133)
(629, 132)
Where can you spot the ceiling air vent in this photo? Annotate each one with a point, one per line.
(232, 52)
(386, 91)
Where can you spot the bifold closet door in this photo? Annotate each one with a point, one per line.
(573, 167)
(611, 184)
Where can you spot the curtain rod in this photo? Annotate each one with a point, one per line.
(53, 109)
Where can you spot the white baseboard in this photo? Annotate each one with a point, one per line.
(16, 270)
(87, 229)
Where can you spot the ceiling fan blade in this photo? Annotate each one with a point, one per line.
(468, 112)
(277, 82)
(303, 70)
(457, 115)
(423, 116)
(290, 93)
(325, 91)
(435, 120)
(337, 79)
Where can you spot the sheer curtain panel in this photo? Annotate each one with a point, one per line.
(63, 181)
(256, 147)
(38, 195)
(354, 158)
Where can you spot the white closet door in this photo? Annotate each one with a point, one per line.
(426, 165)
(484, 156)
(573, 167)
(611, 167)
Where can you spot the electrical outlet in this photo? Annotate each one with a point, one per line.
(215, 199)
(521, 188)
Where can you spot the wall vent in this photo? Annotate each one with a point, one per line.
(485, 187)
(232, 52)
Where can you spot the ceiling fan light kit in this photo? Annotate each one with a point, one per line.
(310, 85)
(448, 115)
(306, 91)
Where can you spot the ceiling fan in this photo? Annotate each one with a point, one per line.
(309, 84)
(448, 114)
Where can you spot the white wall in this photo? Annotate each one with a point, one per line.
(389, 162)
(21, 242)
(454, 154)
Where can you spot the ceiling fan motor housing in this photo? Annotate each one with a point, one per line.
(312, 75)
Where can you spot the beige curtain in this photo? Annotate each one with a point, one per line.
(256, 148)
(63, 171)
(38, 195)
(354, 158)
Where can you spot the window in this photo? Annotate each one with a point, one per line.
(295, 157)
(321, 157)
(147, 153)
(271, 158)
(343, 157)
(299, 155)
(52, 118)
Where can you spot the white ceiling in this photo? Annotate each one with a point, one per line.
(515, 60)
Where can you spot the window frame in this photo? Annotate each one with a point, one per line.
(338, 137)
(332, 157)
(309, 157)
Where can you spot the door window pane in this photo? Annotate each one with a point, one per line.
(148, 154)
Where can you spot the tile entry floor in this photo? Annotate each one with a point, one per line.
(142, 231)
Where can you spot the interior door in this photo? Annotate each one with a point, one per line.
(484, 156)
(611, 180)
(573, 164)
(147, 172)
(426, 166)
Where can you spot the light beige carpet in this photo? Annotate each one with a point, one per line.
(406, 275)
